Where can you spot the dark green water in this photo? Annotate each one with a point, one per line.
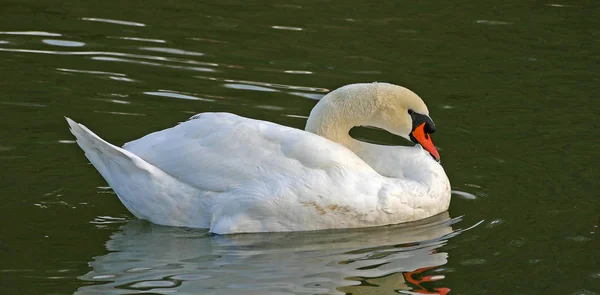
(512, 85)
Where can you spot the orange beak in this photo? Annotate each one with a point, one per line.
(424, 140)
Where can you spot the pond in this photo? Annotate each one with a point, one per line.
(512, 86)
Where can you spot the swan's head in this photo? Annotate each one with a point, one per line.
(403, 113)
(387, 106)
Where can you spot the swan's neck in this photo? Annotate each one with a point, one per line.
(341, 110)
(337, 130)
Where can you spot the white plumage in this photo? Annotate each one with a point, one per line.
(233, 174)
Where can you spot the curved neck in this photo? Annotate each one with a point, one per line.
(334, 130)
(341, 110)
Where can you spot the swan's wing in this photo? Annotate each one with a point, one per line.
(218, 151)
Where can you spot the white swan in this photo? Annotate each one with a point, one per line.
(233, 174)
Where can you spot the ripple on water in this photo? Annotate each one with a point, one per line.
(563, 5)
(267, 85)
(32, 33)
(63, 43)
(297, 116)
(110, 75)
(126, 60)
(24, 104)
(315, 96)
(124, 79)
(102, 220)
(494, 223)
(269, 107)
(138, 39)
(90, 72)
(172, 51)
(112, 100)
(159, 61)
(286, 28)
(296, 72)
(120, 113)
(248, 87)
(464, 195)
(153, 284)
(175, 94)
(103, 277)
(492, 22)
(114, 21)
(138, 269)
(47, 204)
(119, 101)
(190, 277)
(109, 56)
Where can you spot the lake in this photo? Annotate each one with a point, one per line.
(512, 86)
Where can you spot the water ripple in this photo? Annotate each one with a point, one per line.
(315, 96)
(298, 72)
(172, 51)
(153, 284)
(287, 28)
(63, 43)
(114, 21)
(102, 220)
(32, 33)
(563, 5)
(124, 79)
(175, 94)
(266, 84)
(138, 39)
(99, 54)
(492, 22)
(248, 87)
(297, 116)
(24, 104)
(464, 195)
(120, 113)
(90, 72)
(125, 60)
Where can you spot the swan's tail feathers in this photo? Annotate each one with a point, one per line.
(147, 191)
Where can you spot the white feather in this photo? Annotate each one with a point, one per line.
(233, 174)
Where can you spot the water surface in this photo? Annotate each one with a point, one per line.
(512, 87)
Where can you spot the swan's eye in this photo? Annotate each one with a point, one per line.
(410, 112)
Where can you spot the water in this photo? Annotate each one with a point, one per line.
(512, 87)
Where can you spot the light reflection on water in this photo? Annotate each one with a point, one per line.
(114, 21)
(151, 258)
(156, 60)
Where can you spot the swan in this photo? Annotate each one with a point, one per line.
(232, 174)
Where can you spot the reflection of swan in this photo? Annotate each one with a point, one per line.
(147, 257)
(232, 174)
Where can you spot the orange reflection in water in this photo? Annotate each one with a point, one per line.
(415, 279)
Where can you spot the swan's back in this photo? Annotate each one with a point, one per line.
(219, 151)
